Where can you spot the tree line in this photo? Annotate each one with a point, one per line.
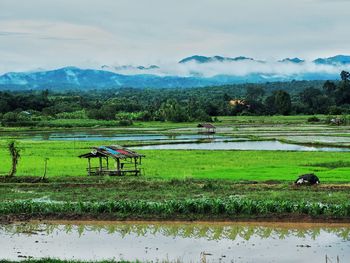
(179, 104)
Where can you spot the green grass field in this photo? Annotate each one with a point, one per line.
(169, 164)
(179, 175)
(219, 121)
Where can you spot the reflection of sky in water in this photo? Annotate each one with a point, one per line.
(79, 136)
(177, 241)
(326, 139)
(185, 141)
(248, 145)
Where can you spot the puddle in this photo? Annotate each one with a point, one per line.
(177, 242)
(246, 145)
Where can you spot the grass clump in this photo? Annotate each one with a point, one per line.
(231, 207)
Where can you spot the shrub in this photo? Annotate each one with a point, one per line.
(313, 119)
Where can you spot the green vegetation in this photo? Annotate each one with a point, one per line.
(169, 164)
(15, 155)
(230, 207)
(94, 189)
(126, 105)
(178, 184)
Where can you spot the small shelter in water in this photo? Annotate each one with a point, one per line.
(124, 161)
(207, 128)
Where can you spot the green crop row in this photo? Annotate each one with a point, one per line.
(230, 207)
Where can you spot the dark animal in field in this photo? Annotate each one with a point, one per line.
(307, 179)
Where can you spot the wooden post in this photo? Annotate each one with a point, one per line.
(89, 166)
(118, 166)
(107, 163)
(136, 171)
(45, 168)
(100, 165)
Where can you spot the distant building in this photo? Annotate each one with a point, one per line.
(236, 102)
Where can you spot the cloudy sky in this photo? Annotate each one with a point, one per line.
(86, 33)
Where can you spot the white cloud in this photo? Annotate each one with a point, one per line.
(41, 33)
(237, 68)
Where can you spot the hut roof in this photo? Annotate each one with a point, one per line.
(206, 125)
(114, 151)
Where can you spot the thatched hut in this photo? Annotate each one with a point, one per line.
(206, 128)
(125, 161)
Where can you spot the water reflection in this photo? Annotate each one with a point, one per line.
(242, 145)
(186, 230)
(176, 241)
(111, 136)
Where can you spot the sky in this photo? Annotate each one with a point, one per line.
(45, 34)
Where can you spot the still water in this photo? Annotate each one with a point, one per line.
(246, 145)
(177, 241)
(111, 136)
(176, 141)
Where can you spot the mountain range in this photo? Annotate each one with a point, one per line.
(109, 77)
(336, 60)
(204, 59)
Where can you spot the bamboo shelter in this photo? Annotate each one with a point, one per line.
(124, 161)
(206, 128)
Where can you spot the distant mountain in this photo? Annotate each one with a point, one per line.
(292, 60)
(75, 78)
(68, 76)
(336, 60)
(147, 68)
(129, 67)
(204, 59)
(135, 76)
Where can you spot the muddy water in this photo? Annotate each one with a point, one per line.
(177, 242)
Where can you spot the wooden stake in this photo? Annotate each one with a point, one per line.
(45, 168)
(89, 166)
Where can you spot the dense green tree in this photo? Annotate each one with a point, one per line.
(344, 75)
(178, 104)
(255, 93)
(279, 103)
(329, 87)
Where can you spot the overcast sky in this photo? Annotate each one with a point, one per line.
(54, 33)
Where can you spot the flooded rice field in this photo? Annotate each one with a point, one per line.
(324, 139)
(236, 140)
(112, 136)
(246, 145)
(177, 241)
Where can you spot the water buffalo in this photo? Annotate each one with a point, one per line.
(307, 179)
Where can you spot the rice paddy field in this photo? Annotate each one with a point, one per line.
(242, 175)
(182, 164)
(184, 174)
